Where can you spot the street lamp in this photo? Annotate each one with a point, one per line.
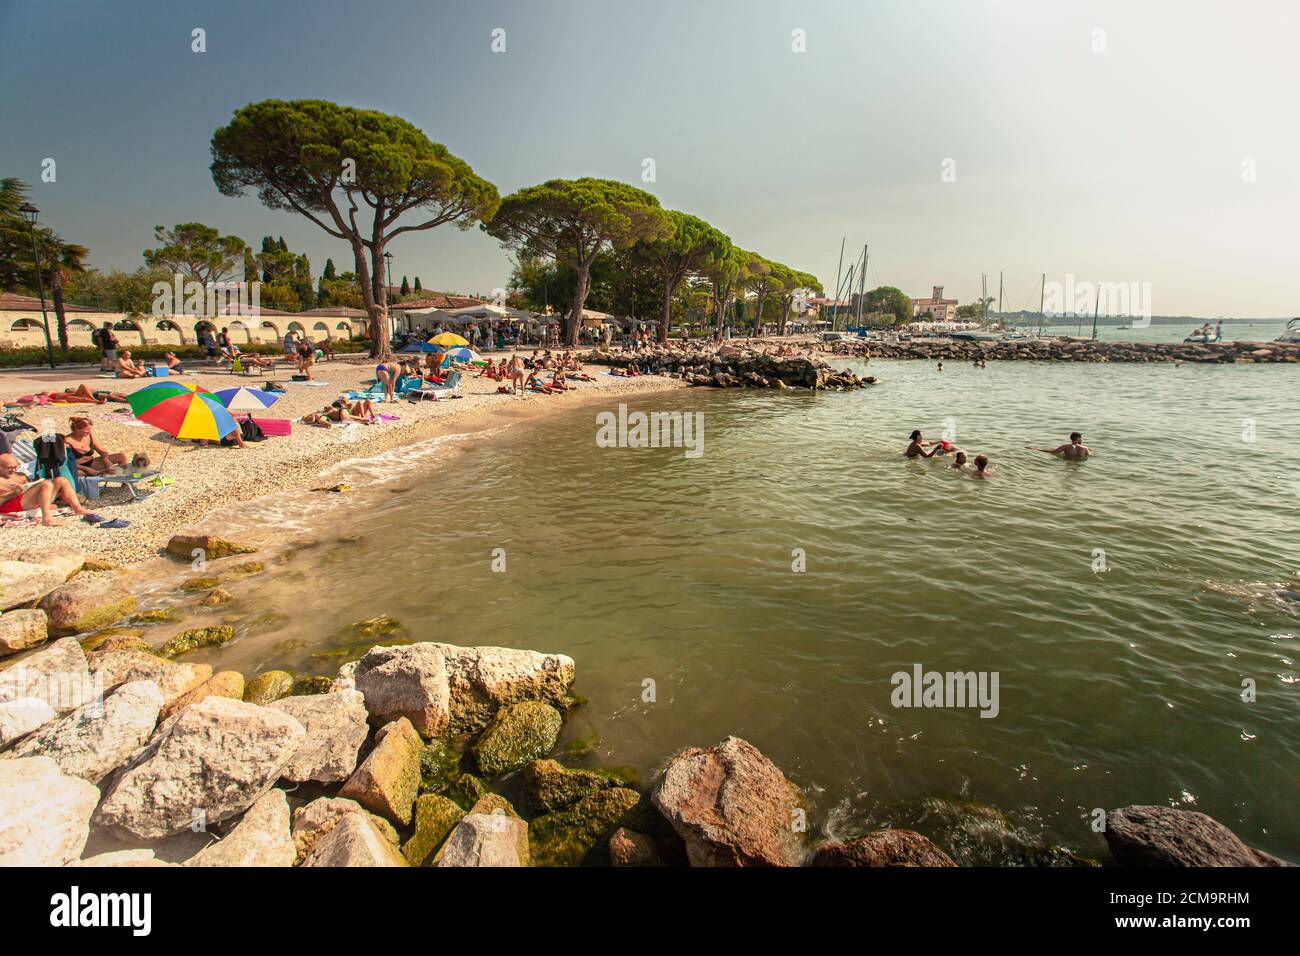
(30, 213)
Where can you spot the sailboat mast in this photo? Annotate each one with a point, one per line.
(1042, 297)
(839, 270)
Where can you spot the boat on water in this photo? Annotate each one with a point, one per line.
(976, 335)
(1291, 336)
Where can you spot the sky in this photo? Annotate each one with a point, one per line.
(1149, 141)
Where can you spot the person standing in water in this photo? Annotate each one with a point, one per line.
(917, 445)
(1076, 450)
(982, 467)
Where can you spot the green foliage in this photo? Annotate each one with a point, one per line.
(573, 221)
(116, 291)
(891, 301)
(59, 259)
(195, 251)
(299, 156)
(692, 247)
(34, 355)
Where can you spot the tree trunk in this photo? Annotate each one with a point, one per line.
(758, 315)
(376, 312)
(785, 317)
(61, 320)
(579, 300)
(666, 316)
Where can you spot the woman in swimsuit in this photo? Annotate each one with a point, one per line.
(516, 375)
(92, 457)
(387, 375)
(916, 448)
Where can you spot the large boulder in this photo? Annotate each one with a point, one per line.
(549, 786)
(21, 629)
(484, 679)
(268, 687)
(260, 838)
(1164, 836)
(435, 817)
(208, 763)
(57, 674)
(223, 684)
(44, 813)
(354, 841)
(882, 848)
(121, 666)
(486, 839)
(313, 820)
(388, 780)
(576, 834)
(517, 734)
(629, 848)
(405, 682)
(22, 583)
(336, 730)
(66, 560)
(205, 547)
(88, 602)
(96, 739)
(18, 718)
(731, 806)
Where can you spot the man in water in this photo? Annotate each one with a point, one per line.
(982, 467)
(1075, 451)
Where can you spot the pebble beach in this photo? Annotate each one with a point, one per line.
(205, 478)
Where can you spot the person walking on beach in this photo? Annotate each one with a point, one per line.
(107, 343)
(516, 375)
(1076, 450)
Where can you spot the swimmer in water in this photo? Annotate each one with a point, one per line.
(917, 445)
(959, 461)
(1075, 451)
(982, 467)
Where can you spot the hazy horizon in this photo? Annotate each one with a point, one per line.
(1164, 158)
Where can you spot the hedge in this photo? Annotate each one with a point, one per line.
(35, 355)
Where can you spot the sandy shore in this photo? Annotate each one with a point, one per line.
(205, 478)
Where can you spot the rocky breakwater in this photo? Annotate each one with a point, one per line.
(1080, 350)
(734, 367)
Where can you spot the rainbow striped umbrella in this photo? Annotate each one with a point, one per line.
(245, 399)
(183, 411)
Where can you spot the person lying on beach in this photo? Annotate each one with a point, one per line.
(535, 384)
(81, 395)
(126, 368)
(1076, 450)
(18, 495)
(630, 372)
(92, 457)
(248, 358)
(340, 411)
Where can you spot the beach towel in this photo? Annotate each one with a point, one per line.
(276, 427)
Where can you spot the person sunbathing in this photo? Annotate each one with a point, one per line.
(558, 381)
(340, 411)
(173, 364)
(81, 395)
(92, 457)
(126, 368)
(537, 385)
(18, 495)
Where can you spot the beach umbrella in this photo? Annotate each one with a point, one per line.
(461, 354)
(448, 338)
(181, 411)
(245, 399)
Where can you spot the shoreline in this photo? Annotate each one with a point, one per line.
(207, 480)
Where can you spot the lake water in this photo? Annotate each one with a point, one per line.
(1117, 686)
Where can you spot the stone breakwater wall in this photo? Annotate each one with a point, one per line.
(1075, 350)
(730, 367)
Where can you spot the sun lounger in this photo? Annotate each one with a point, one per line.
(450, 387)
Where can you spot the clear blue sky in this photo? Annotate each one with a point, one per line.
(1119, 165)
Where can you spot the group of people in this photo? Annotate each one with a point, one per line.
(1073, 450)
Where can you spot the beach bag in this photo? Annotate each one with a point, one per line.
(251, 430)
(50, 455)
(12, 423)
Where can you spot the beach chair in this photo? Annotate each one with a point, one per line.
(132, 483)
(450, 387)
(25, 452)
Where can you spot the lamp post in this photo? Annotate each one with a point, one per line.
(30, 213)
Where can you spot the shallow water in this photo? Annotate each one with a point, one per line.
(1117, 687)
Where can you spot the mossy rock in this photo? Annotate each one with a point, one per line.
(551, 787)
(197, 638)
(579, 748)
(572, 700)
(158, 615)
(435, 817)
(491, 803)
(439, 766)
(200, 584)
(268, 686)
(376, 627)
(580, 834)
(517, 734)
(216, 597)
(245, 569)
(310, 686)
(96, 564)
(117, 639)
(465, 790)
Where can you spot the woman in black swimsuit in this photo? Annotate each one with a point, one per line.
(92, 457)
